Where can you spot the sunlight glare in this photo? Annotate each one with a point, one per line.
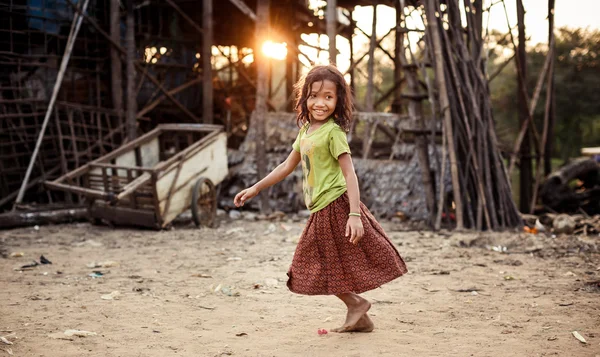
(274, 50)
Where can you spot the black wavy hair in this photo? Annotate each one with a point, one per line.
(345, 101)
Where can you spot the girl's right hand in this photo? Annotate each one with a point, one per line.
(244, 196)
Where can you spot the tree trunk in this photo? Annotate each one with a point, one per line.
(526, 177)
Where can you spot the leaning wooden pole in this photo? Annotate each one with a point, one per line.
(262, 90)
(432, 6)
(207, 41)
(77, 19)
(332, 29)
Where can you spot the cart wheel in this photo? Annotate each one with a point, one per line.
(204, 203)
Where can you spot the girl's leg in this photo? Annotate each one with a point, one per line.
(357, 312)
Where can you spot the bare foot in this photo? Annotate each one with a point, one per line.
(363, 325)
(357, 307)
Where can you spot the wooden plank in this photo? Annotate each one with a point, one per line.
(134, 185)
(124, 215)
(77, 190)
(590, 151)
(189, 151)
(118, 167)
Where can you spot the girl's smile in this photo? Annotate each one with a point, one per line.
(322, 100)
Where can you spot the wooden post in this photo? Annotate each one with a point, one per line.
(262, 68)
(116, 70)
(398, 47)
(432, 22)
(332, 30)
(130, 61)
(550, 141)
(207, 41)
(369, 101)
(525, 177)
(289, 73)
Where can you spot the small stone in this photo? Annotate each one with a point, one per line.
(234, 214)
(249, 216)
(271, 282)
(304, 213)
(221, 213)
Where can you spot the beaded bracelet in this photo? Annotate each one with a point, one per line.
(354, 214)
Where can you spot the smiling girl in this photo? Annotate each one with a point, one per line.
(343, 250)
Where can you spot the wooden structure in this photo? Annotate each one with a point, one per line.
(151, 180)
(190, 63)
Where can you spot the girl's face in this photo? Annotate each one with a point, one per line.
(322, 100)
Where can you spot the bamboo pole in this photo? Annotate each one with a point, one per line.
(77, 20)
(431, 7)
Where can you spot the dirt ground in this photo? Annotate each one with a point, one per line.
(220, 292)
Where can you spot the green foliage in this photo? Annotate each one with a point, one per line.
(577, 95)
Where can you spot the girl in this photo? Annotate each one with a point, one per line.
(343, 251)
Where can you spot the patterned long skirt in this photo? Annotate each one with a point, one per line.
(326, 263)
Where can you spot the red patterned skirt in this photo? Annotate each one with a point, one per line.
(326, 263)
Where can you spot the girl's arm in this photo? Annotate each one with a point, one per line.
(278, 174)
(354, 228)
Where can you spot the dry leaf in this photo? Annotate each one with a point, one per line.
(579, 337)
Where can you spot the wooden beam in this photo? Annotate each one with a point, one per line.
(173, 91)
(369, 100)
(207, 42)
(130, 59)
(260, 111)
(240, 4)
(116, 70)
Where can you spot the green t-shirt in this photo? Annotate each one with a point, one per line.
(323, 179)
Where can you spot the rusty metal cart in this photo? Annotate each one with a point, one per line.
(153, 179)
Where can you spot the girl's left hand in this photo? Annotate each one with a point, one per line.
(354, 229)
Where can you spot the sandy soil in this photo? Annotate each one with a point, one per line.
(219, 292)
